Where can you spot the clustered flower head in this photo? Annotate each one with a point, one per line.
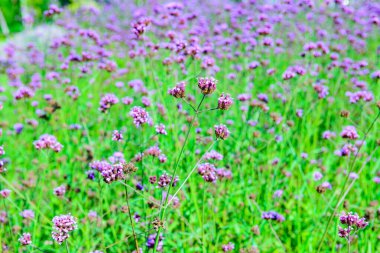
(23, 92)
(224, 102)
(48, 141)
(228, 247)
(62, 225)
(207, 85)
(117, 136)
(60, 191)
(353, 223)
(118, 171)
(140, 116)
(107, 101)
(160, 129)
(5, 193)
(152, 240)
(272, 215)
(25, 239)
(53, 10)
(208, 172)
(178, 91)
(349, 132)
(221, 132)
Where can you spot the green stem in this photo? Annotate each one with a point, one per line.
(130, 217)
(163, 210)
(343, 192)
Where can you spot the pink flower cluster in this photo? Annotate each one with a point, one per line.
(62, 225)
(353, 222)
(47, 141)
(140, 116)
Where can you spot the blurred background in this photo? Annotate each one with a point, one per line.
(18, 15)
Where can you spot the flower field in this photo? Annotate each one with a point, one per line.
(192, 126)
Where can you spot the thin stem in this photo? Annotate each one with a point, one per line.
(275, 235)
(130, 217)
(207, 110)
(67, 247)
(163, 210)
(184, 100)
(343, 193)
(203, 218)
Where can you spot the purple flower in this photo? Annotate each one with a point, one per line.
(178, 91)
(288, 75)
(152, 240)
(47, 141)
(349, 132)
(62, 225)
(328, 135)
(224, 102)
(27, 214)
(25, 239)
(117, 136)
(140, 116)
(272, 215)
(60, 191)
(107, 101)
(207, 85)
(317, 176)
(208, 172)
(221, 132)
(160, 129)
(53, 10)
(23, 92)
(228, 247)
(5, 193)
(18, 127)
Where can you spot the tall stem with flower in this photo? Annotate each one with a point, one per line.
(207, 87)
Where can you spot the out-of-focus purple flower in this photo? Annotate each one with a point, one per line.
(299, 113)
(23, 92)
(328, 135)
(47, 141)
(349, 132)
(5, 193)
(288, 75)
(18, 127)
(228, 247)
(25, 239)
(213, 155)
(152, 240)
(60, 191)
(160, 129)
(224, 102)
(117, 136)
(272, 215)
(27, 214)
(140, 116)
(317, 176)
(178, 91)
(53, 10)
(107, 101)
(208, 172)
(221, 132)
